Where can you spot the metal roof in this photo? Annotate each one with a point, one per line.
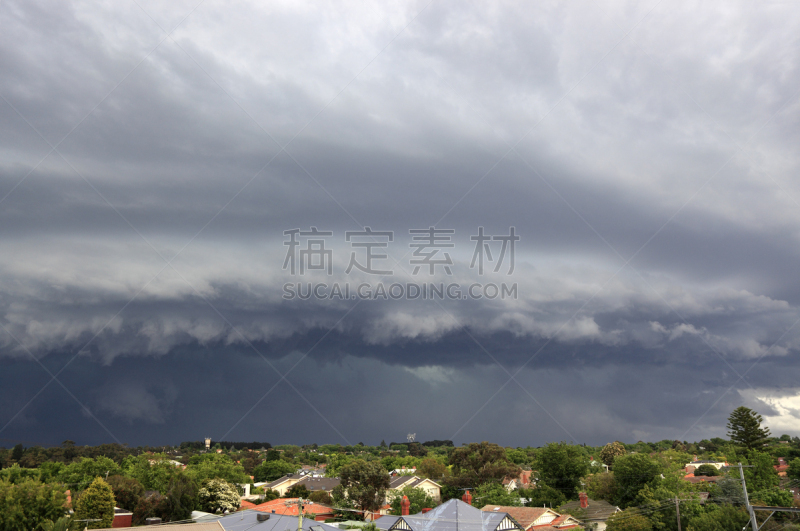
(453, 515)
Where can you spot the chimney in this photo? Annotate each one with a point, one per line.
(584, 500)
(405, 505)
(467, 498)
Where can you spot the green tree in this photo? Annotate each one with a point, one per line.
(628, 520)
(744, 428)
(794, 469)
(561, 466)
(631, 473)
(272, 470)
(479, 463)
(430, 467)
(365, 483)
(81, 474)
(217, 466)
(181, 499)
(418, 497)
(601, 486)
(62, 524)
(491, 493)
(217, 495)
(96, 505)
(720, 518)
(29, 503)
(761, 475)
(543, 495)
(611, 451)
(706, 470)
(127, 491)
(318, 496)
(17, 452)
(298, 491)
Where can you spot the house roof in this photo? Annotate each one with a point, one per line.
(453, 515)
(401, 482)
(691, 478)
(525, 516)
(202, 526)
(326, 484)
(284, 479)
(247, 520)
(597, 510)
(288, 506)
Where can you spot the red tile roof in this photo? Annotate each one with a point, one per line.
(288, 506)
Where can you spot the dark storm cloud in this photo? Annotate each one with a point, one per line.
(670, 146)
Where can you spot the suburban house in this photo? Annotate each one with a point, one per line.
(694, 465)
(452, 515)
(403, 471)
(591, 511)
(540, 518)
(288, 507)
(781, 467)
(433, 489)
(691, 478)
(258, 521)
(521, 482)
(283, 484)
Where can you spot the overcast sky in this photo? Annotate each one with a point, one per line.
(152, 156)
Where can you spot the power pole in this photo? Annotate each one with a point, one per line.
(747, 500)
(678, 511)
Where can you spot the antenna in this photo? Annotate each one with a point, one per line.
(410, 437)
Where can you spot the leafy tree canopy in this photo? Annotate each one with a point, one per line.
(561, 466)
(631, 473)
(628, 520)
(479, 463)
(492, 493)
(272, 470)
(418, 497)
(543, 496)
(364, 483)
(78, 476)
(28, 504)
(706, 470)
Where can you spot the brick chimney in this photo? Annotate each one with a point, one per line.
(584, 500)
(405, 505)
(467, 498)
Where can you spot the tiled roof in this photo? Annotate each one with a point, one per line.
(525, 516)
(288, 506)
(597, 510)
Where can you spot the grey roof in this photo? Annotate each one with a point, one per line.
(312, 483)
(453, 515)
(399, 481)
(242, 520)
(282, 479)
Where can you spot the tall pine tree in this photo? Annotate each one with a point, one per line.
(744, 428)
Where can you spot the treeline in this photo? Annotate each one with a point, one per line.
(225, 445)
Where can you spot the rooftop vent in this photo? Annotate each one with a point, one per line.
(262, 517)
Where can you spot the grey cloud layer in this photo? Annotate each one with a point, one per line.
(672, 145)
